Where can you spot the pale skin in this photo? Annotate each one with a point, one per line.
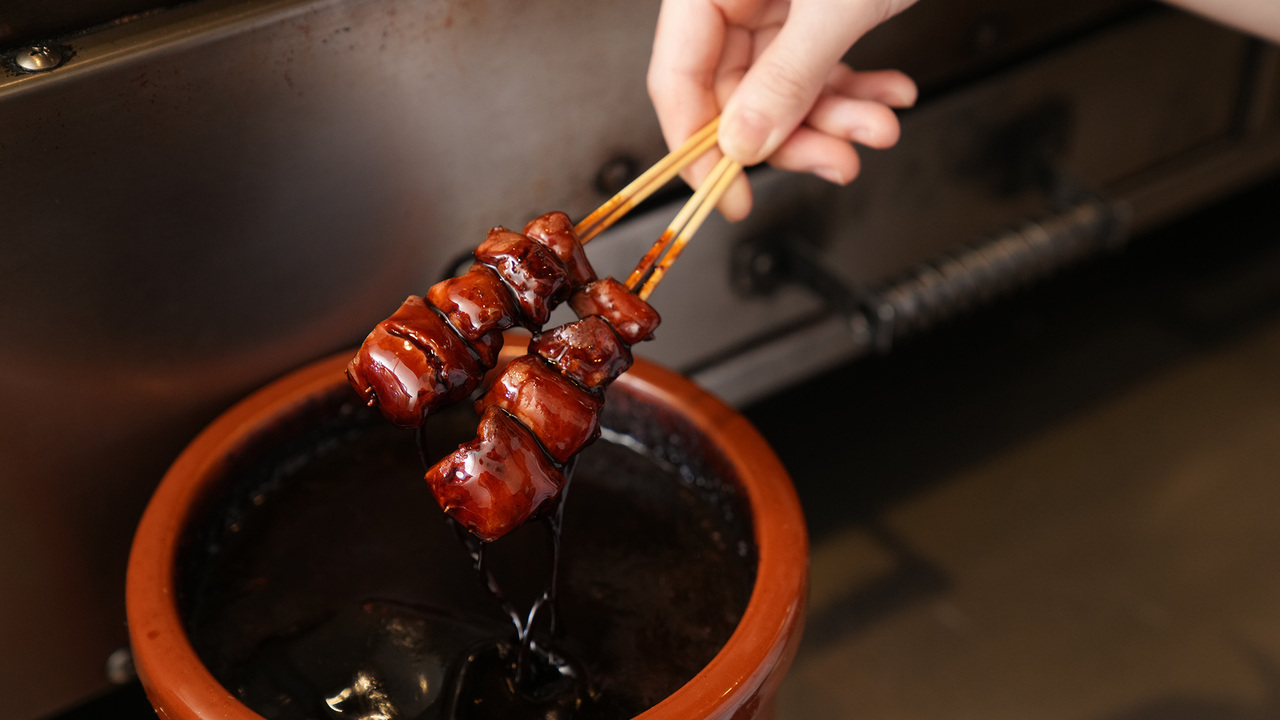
(772, 70)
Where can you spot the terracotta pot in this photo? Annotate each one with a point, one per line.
(741, 680)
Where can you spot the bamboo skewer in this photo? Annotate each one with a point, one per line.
(649, 181)
(655, 263)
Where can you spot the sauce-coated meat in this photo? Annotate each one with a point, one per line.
(476, 303)
(413, 363)
(562, 415)
(555, 231)
(417, 361)
(587, 351)
(428, 330)
(632, 318)
(534, 274)
(392, 373)
(545, 406)
(494, 483)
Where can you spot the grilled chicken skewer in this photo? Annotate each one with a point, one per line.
(545, 406)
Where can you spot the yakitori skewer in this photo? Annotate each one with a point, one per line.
(544, 407)
(649, 181)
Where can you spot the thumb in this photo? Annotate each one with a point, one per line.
(783, 83)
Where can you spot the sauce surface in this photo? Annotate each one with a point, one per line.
(334, 587)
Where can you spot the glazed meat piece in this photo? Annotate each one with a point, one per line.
(479, 307)
(555, 231)
(632, 318)
(428, 330)
(544, 407)
(394, 375)
(588, 351)
(534, 274)
(555, 393)
(412, 363)
(494, 483)
(417, 360)
(561, 415)
(475, 302)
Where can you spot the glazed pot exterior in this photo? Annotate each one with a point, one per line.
(740, 681)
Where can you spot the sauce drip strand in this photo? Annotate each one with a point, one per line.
(521, 677)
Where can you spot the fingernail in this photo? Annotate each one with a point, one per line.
(903, 99)
(831, 175)
(743, 134)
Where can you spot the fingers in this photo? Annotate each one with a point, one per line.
(786, 78)
(865, 122)
(687, 49)
(811, 151)
(891, 87)
(773, 65)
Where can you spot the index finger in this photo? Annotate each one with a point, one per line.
(687, 46)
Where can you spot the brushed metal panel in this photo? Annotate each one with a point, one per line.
(211, 195)
(1132, 96)
(36, 20)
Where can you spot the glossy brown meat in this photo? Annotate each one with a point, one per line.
(413, 363)
(391, 373)
(535, 276)
(494, 483)
(554, 230)
(427, 329)
(587, 351)
(487, 347)
(476, 303)
(563, 416)
(632, 318)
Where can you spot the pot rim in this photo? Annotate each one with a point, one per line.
(749, 666)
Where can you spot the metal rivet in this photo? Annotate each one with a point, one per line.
(38, 58)
(616, 173)
(120, 668)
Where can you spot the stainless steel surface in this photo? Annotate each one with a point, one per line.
(945, 187)
(876, 318)
(204, 196)
(33, 20)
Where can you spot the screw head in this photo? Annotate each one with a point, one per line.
(38, 58)
(616, 173)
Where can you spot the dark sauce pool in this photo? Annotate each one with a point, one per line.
(331, 585)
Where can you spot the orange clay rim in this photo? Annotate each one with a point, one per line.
(744, 674)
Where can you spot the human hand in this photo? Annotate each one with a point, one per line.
(771, 69)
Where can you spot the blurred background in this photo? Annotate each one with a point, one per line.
(1023, 371)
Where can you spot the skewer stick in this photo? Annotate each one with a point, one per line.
(649, 181)
(664, 252)
(668, 237)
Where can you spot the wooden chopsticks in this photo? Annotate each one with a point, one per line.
(653, 266)
(649, 181)
(655, 263)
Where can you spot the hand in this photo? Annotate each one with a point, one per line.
(771, 69)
